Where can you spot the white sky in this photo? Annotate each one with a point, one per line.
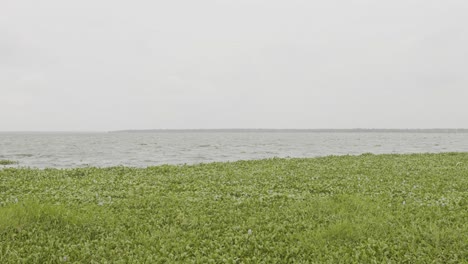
(107, 64)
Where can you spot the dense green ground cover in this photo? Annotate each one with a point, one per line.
(363, 209)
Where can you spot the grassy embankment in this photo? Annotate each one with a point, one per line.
(364, 209)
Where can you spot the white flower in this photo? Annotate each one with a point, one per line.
(249, 232)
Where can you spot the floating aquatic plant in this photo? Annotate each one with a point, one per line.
(336, 209)
(8, 162)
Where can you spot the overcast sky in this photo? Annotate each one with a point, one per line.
(108, 65)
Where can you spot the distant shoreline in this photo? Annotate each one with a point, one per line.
(435, 130)
(252, 130)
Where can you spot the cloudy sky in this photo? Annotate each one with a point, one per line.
(107, 64)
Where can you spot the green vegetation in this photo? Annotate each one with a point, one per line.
(336, 209)
(8, 162)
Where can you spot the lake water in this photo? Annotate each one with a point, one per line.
(146, 149)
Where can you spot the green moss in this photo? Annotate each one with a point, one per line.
(336, 209)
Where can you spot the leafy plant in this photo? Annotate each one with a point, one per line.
(8, 162)
(336, 209)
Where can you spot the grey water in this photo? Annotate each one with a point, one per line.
(65, 150)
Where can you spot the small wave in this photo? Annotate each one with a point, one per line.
(201, 157)
(24, 155)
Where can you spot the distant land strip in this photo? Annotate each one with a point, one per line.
(357, 130)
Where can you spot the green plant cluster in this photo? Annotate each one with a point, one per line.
(8, 162)
(335, 209)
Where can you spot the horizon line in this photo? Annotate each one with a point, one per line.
(247, 130)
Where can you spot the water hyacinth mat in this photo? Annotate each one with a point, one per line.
(336, 209)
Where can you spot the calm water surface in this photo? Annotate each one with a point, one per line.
(146, 149)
